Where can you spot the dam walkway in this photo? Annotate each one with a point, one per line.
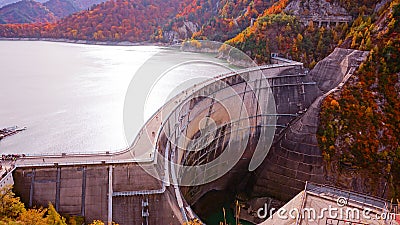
(142, 150)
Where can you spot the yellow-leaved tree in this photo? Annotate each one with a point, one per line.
(13, 211)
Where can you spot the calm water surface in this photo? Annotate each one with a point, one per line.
(71, 96)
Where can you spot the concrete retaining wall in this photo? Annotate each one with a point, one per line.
(83, 191)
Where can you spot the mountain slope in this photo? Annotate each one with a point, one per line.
(40, 10)
(315, 8)
(61, 8)
(7, 2)
(278, 32)
(26, 11)
(140, 20)
(215, 20)
(122, 20)
(85, 4)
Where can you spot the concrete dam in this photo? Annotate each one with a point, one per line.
(228, 121)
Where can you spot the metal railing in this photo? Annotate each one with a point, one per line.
(142, 192)
(360, 199)
(81, 162)
(196, 87)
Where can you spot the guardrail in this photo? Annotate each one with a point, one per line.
(361, 199)
(141, 131)
(143, 192)
(86, 162)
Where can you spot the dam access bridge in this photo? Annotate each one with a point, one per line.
(158, 181)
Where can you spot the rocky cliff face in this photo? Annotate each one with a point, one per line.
(318, 8)
(184, 32)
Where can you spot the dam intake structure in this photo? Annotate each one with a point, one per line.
(156, 181)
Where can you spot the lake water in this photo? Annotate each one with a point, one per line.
(71, 96)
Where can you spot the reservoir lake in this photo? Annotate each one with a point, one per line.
(71, 96)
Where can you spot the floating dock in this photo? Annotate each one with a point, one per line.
(6, 132)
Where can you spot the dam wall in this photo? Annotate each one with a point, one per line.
(293, 91)
(79, 190)
(224, 121)
(84, 191)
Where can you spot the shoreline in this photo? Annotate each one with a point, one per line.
(86, 42)
(230, 60)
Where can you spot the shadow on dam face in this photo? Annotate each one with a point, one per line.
(213, 137)
(198, 152)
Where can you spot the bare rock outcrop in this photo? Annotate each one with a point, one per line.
(183, 32)
(317, 8)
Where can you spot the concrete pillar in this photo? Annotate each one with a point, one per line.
(32, 187)
(110, 193)
(83, 200)
(58, 179)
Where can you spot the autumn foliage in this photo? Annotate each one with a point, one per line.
(230, 18)
(287, 35)
(13, 211)
(360, 126)
(119, 20)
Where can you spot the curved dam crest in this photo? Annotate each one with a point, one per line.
(105, 186)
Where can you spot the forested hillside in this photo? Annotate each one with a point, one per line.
(121, 20)
(285, 34)
(167, 21)
(7, 2)
(218, 20)
(280, 29)
(29, 11)
(360, 125)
